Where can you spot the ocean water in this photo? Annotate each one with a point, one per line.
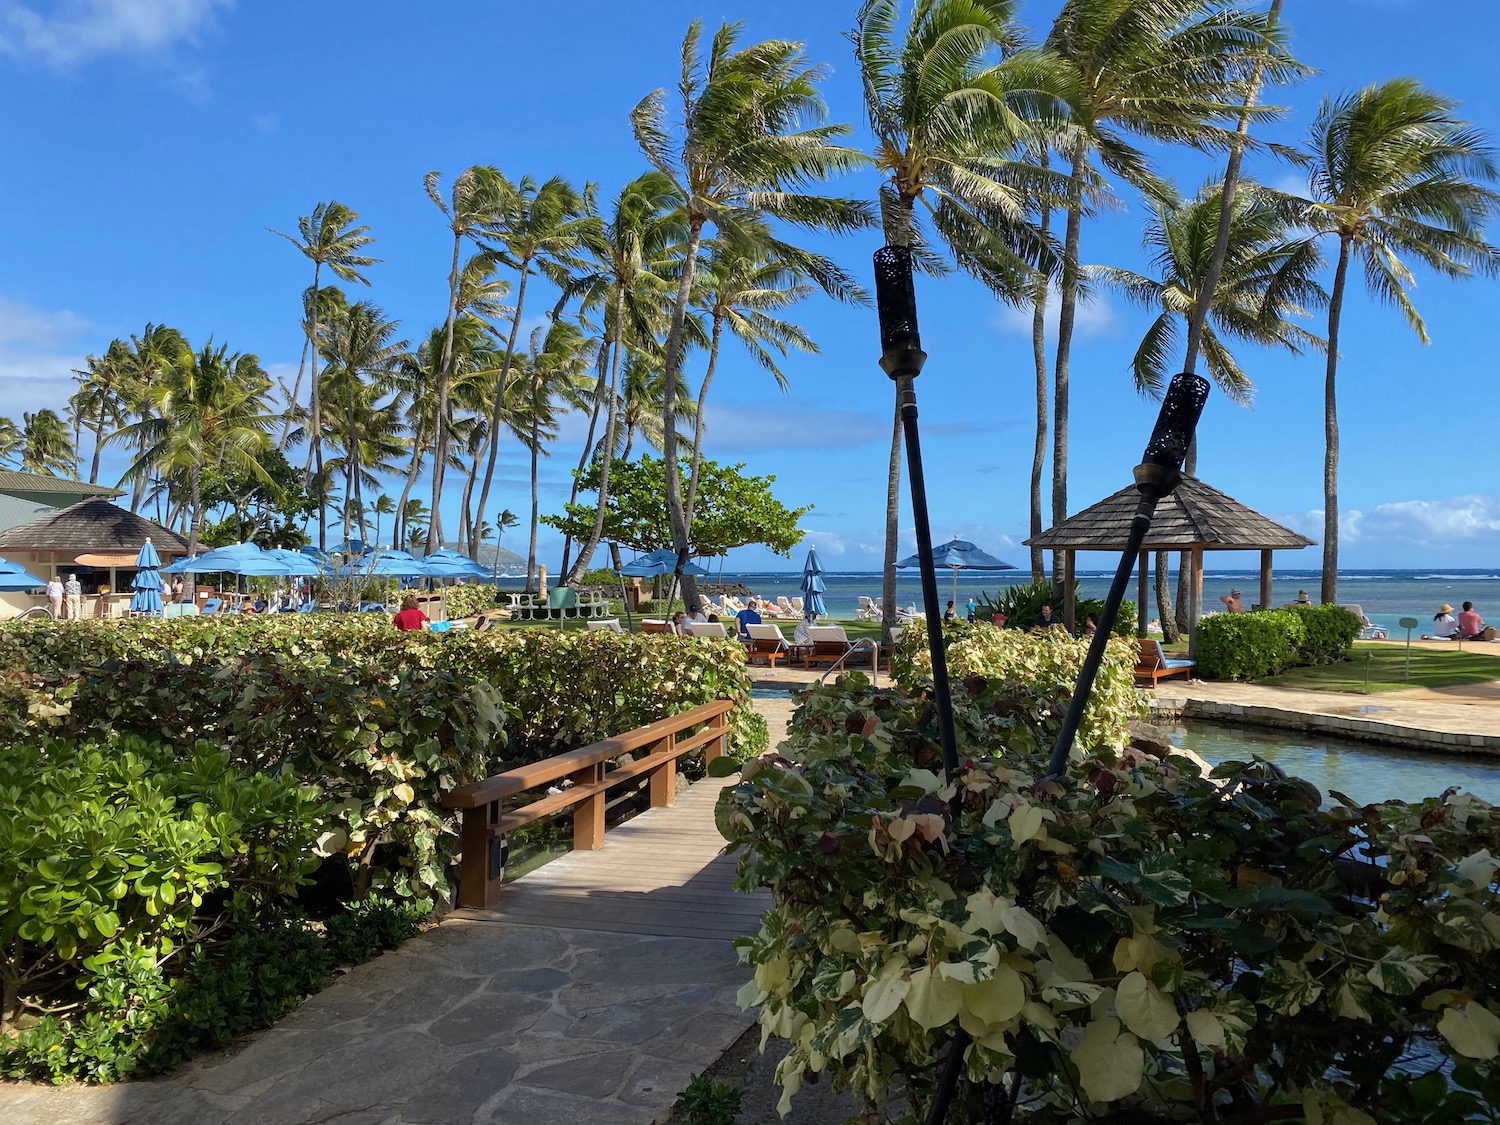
(1385, 595)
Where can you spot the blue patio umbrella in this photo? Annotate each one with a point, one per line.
(147, 581)
(439, 566)
(298, 563)
(14, 577)
(812, 586)
(956, 555)
(662, 561)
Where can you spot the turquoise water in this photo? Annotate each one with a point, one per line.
(1363, 771)
(1385, 595)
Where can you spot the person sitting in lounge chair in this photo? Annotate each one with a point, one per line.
(745, 617)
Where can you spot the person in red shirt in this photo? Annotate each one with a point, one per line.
(1470, 624)
(410, 618)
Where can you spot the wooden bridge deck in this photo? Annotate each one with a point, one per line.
(661, 874)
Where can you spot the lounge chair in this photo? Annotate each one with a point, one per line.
(786, 607)
(605, 624)
(1153, 664)
(653, 625)
(707, 629)
(797, 606)
(307, 607)
(832, 648)
(1368, 630)
(869, 609)
(767, 643)
(210, 607)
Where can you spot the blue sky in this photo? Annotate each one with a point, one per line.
(150, 145)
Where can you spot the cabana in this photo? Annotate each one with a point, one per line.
(1194, 518)
(93, 538)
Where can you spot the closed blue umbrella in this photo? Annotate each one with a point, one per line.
(147, 581)
(14, 577)
(812, 586)
(662, 561)
(956, 555)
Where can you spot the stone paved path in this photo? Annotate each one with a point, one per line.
(481, 1019)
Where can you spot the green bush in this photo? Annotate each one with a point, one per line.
(706, 1102)
(1022, 605)
(1131, 943)
(144, 1013)
(1248, 646)
(1328, 633)
(124, 844)
(468, 599)
(1046, 664)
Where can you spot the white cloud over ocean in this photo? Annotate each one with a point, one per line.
(70, 32)
(1094, 317)
(39, 349)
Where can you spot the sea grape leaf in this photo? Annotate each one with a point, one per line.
(1110, 1064)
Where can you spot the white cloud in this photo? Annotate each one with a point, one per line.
(1094, 317)
(39, 349)
(74, 31)
(1468, 520)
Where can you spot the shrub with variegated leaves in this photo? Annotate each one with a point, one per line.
(1131, 943)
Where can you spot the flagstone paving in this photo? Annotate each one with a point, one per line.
(489, 1018)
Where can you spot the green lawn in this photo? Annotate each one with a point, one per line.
(1378, 667)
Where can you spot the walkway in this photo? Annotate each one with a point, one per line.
(601, 985)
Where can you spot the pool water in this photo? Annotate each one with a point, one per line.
(1364, 772)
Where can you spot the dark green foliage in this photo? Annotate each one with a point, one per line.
(707, 1102)
(1250, 646)
(1023, 603)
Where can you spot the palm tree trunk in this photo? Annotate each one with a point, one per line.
(708, 377)
(676, 513)
(586, 553)
(892, 532)
(535, 511)
(499, 410)
(1067, 313)
(98, 439)
(286, 430)
(1330, 589)
(600, 385)
(1039, 445)
(440, 433)
(1169, 630)
(197, 506)
(316, 419)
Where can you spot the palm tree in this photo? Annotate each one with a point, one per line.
(100, 398)
(211, 410)
(742, 148)
(329, 237)
(626, 279)
(1395, 174)
(152, 355)
(474, 201)
(952, 104)
(542, 228)
(1169, 71)
(10, 441)
(413, 513)
(383, 506)
(46, 445)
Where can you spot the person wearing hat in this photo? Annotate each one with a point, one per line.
(1302, 598)
(1232, 603)
(1444, 627)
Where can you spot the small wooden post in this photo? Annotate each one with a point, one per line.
(1069, 558)
(664, 776)
(1265, 580)
(1195, 600)
(719, 746)
(1141, 584)
(588, 814)
(476, 889)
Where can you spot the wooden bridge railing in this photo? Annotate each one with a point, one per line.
(484, 824)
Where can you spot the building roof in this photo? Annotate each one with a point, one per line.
(1194, 516)
(13, 482)
(91, 525)
(16, 510)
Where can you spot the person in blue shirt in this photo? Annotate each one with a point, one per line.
(973, 606)
(746, 616)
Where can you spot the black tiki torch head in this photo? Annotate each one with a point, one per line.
(1160, 469)
(896, 301)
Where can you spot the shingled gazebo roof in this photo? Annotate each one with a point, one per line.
(91, 525)
(1196, 515)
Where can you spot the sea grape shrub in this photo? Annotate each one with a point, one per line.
(467, 599)
(1046, 662)
(1133, 942)
(1248, 646)
(130, 849)
(1328, 633)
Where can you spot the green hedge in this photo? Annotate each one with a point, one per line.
(1250, 646)
(468, 599)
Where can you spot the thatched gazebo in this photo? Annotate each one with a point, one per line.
(1193, 519)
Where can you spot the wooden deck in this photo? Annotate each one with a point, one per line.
(662, 873)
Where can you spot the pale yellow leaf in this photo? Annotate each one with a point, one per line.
(1205, 1028)
(998, 999)
(404, 793)
(1146, 1010)
(1110, 1064)
(1473, 1031)
(932, 1000)
(1025, 822)
(884, 994)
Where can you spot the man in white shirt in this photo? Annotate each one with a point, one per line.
(74, 591)
(696, 615)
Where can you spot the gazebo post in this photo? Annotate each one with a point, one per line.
(1140, 593)
(1195, 599)
(1265, 579)
(1070, 561)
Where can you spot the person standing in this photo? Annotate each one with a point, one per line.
(177, 588)
(55, 595)
(1232, 603)
(73, 589)
(973, 609)
(1470, 624)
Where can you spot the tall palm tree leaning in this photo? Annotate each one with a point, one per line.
(1171, 71)
(329, 237)
(538, 228)
(46, 446)
(952, 104)
(752, 134)
(1395, 174)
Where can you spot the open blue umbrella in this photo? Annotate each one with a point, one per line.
(14, 577)
(812, 586)
(661, 561)
(956, 555)
(147, 581)
(297, 562)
